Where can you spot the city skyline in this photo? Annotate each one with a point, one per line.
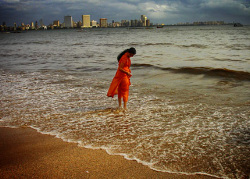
(86, 22)
(158, 11)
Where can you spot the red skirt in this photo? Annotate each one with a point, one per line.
(119, 86)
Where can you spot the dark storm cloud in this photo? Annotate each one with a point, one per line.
(173, 11)
(158, 11)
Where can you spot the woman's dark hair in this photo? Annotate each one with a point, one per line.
(130, 50)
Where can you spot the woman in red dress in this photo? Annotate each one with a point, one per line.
(121, 82)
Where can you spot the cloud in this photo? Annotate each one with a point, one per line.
(11, 1)
(158, 11)
(227, 10)
(228, 6)
(202, 10)
(154, 10)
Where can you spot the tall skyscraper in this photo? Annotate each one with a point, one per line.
(85, 21)
(68, 21)
(144, 20)
(148, 23)
(32, 26)
(103, 22)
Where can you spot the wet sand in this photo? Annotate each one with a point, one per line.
(25, 153)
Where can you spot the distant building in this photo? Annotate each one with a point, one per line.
(144, 20)
(209, 23)
(132, 22)
(74, 24)
(68, 21)
(15, 27)
(41, 22)
(93, 23)
(124, 23)
(116, 24)
(56, 23)
(32, 26)
(22, 26)
(36, 25)
(136, 23)
(79, 24)
(147, 22)
(103, 22)
(27, 27)
(86, 21)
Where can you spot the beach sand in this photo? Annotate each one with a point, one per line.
(25, 153)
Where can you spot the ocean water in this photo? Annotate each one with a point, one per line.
(189, 102)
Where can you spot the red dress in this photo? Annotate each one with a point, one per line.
(121, 82)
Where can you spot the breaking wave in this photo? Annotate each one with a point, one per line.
(194, 46)
(207, 71)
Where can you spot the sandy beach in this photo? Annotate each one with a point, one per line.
(25, 153)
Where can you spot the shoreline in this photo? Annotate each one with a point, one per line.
(26, 153)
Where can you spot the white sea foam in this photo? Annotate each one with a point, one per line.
(155, 131)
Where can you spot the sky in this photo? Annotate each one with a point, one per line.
(157, 11)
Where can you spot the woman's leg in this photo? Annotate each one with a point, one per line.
(120, 101)
(123, 92)
(125, 105)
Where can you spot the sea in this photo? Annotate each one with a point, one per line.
(189, 99)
